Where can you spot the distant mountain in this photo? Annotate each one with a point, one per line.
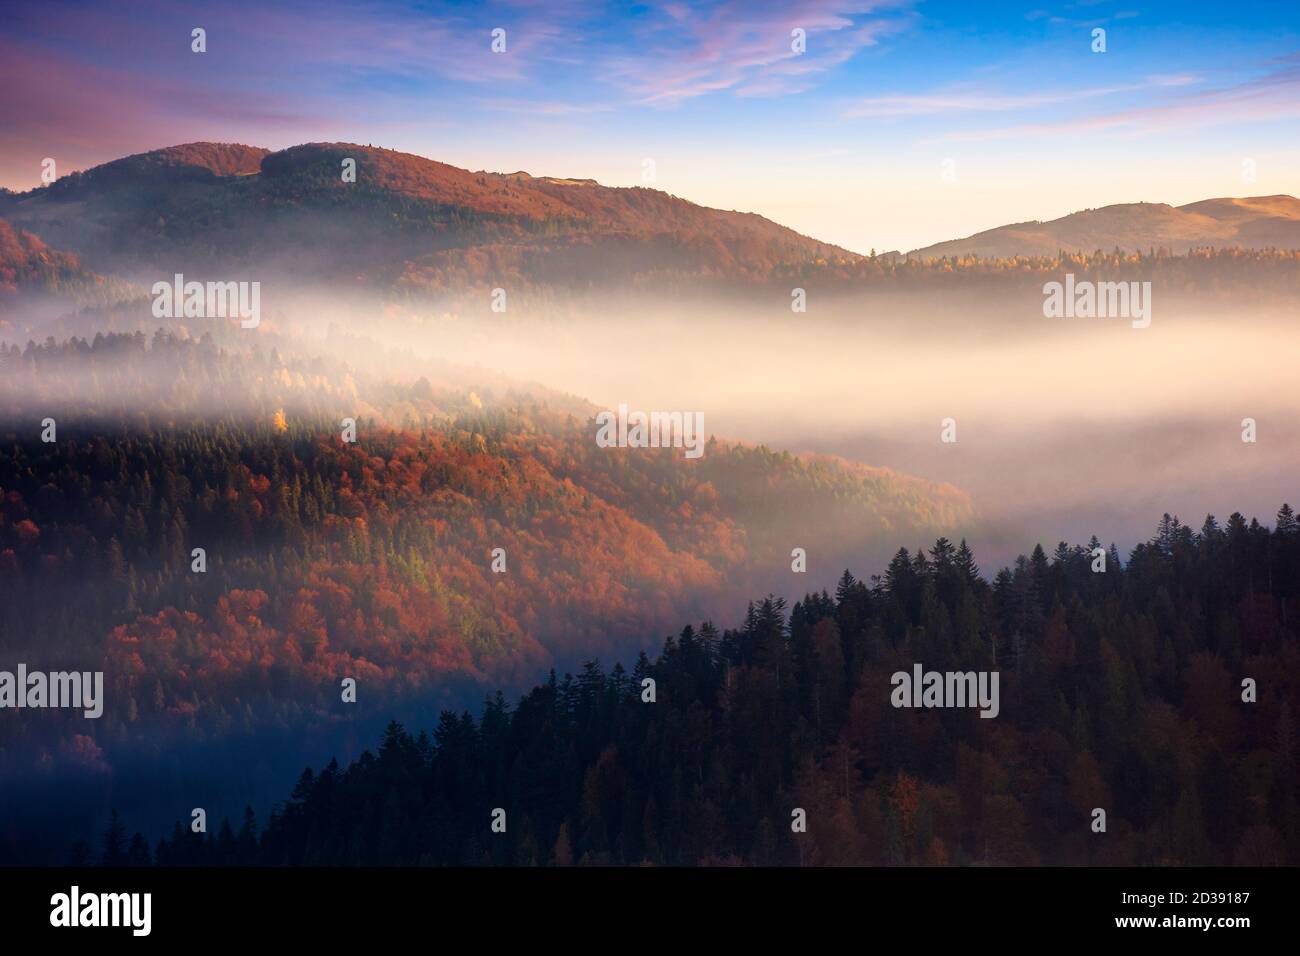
(406, 221)
(1254, 223)
(411, 227)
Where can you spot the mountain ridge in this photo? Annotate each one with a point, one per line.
(418, 226)
(1254, 222)
(205, 204)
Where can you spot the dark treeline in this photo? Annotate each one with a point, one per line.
(1120, 690)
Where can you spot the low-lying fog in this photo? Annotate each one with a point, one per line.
(1065, 428)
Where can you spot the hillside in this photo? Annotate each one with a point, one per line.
(406, 221)
(372, 559)
(39, 279)
(1253, 223)
(27, 263)
(1119, 691)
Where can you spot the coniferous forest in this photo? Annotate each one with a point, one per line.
(1121, 690)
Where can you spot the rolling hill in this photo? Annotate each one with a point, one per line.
(1253, 223)
(405, 221)
(414, 226)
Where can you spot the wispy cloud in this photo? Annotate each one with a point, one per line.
(746, 47)
(965, 100)
(543, 107)
(931, 104)
(1274, 96)
(84, 84)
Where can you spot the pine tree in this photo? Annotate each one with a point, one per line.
(1286, 521)
(137, 854)
(114, 843)
(970, 571)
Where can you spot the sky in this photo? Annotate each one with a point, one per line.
(900, 124)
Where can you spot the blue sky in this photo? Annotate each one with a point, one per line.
(901, 124)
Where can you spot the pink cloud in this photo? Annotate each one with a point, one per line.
(746, 47)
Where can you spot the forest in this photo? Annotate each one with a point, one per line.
(325, 559)
(203, 532)
(1122, 690)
